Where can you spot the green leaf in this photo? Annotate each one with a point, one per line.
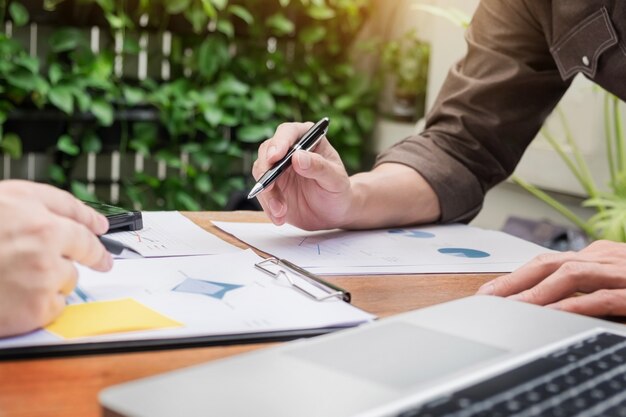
(312, 34)
(66, 39)
(321, 12)
(209, 9)
(187, 201)
(130, 46)
(284, 3)
(220, 4)
(66, 145)
(103, 66)
(55, 73)
(254, 133)
(212, 55)
(31, 63)
(56, 174)
(344, 102)
(232, 86)
(176, 6)
(106, 5)
(226, 27)
(103, 112)
(221, 198)
(50, 5)
(284, 87)
(366, 118)
(280, 24)
(197, 16)
(18, 13)
(116, 22)
(11, 145)
(241, 13)
(92, 143)
(81, 191)
(61, 97)
(83, 100)
(22, 79)
(213, 115)
(262, 103)
(140, 147)
(203, 183)
(133, 95)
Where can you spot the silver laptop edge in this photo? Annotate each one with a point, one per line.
(374, 370)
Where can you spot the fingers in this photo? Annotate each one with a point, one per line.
(598, 304)
(573, 277)
(329, 176)
(527, 276)
(69, 275)
(55, 307)
(275, 148)
(274, 205)
(80, 244)
(64, 204)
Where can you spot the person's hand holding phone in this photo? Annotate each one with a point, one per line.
(43, 231)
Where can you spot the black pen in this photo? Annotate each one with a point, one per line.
(118, 249)
(307, 142)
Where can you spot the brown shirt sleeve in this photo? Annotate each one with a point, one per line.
(491, 106)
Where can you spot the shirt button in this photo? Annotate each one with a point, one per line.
(585, 61)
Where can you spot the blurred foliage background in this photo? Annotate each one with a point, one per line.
(176, 93)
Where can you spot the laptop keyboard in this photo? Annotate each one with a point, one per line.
(587, 379)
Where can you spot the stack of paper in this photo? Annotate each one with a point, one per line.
(433, 249)
(174, 298)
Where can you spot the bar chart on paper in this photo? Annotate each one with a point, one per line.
(433, 249)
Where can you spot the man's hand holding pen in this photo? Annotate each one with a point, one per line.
(315, 193)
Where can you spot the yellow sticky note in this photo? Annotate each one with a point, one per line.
(107, 317)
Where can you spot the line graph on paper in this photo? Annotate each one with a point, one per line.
(171, 234)
(153, 242)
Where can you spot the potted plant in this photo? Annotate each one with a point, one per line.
(610, 220)
(405, 61)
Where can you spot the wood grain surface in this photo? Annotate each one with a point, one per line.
(69, 386)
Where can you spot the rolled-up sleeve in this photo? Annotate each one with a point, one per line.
(491, 106)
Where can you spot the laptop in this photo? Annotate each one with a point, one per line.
(477, 356)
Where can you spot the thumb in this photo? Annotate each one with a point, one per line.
(330, 176)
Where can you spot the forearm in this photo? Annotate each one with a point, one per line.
(391, 195)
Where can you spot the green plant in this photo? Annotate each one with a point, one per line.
(610, 220)
(406, 58)
(237, 70)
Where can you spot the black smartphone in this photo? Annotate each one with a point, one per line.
(120, 219)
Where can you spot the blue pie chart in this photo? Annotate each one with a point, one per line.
(464, 252)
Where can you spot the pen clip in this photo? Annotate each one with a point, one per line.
(330, 290)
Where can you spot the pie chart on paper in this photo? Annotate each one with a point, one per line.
(464, 252)
(411, 233)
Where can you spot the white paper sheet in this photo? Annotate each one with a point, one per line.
(172, 234)
(432, 249)
(241, 299)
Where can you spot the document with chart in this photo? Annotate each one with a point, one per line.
(178, 301)
(172, 234)
(432, 249)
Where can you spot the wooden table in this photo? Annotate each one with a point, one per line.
(69, 386)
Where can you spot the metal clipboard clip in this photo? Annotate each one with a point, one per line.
(329, 290)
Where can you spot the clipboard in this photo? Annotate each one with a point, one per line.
(282, 280)
(286, 267)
